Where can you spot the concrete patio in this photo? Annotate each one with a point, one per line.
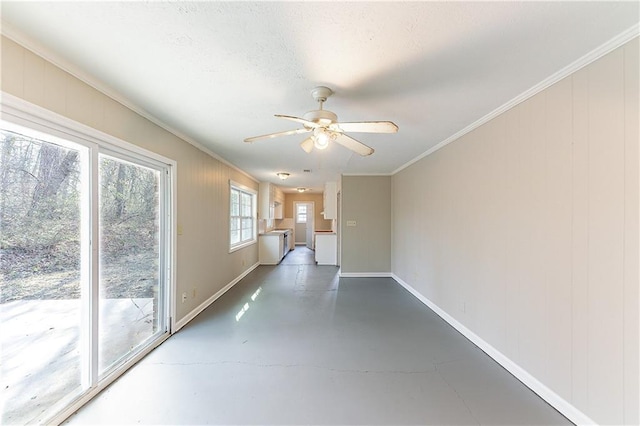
(41, 344)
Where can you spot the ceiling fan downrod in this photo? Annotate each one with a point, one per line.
(320, 94)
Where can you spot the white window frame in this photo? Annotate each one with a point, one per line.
(243, 189)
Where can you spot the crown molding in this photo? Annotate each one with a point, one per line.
(367, 174)
(29, 43)
(607, 47)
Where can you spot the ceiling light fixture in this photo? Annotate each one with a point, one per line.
(321, 138)
(302, 189)
(283, 175)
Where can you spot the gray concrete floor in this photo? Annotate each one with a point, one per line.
(293, 344)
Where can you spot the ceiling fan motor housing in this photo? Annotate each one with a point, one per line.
(321, 116)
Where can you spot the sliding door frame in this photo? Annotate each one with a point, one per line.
(17, 112)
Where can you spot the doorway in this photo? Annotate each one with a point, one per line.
(85, 232)
(304, 222)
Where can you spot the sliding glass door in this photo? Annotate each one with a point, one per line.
(131, 294)
(41, 247)
(73, 313)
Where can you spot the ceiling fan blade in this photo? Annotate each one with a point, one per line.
(352, 144)
(275, 135)
(307, 123)
(307, 145)
(367, 127)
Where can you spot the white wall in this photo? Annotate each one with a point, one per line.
(526, 232)
(204, 264)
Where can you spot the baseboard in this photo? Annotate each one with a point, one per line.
(204, 305)
(555, 400)
(364, 274)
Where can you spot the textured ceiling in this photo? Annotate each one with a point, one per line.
(216, 72)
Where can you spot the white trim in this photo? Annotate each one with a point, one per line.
(582, 62)
(243, 188)
(204, 305)
(28, 43)
(172, 297)
(555, 400)
(33, 116)
(365, 274)
(367, 174)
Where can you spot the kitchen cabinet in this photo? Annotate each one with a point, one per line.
(330, 200)
(278, 204)
(278, 211)
(326, 248)
(271, 201)
(271, 248)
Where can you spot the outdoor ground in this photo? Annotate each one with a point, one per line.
(131, 276)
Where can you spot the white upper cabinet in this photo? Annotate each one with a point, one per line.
(330, 200)
(271, 201)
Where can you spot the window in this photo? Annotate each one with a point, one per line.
(242, 217)
(301, 213)
(86, 311)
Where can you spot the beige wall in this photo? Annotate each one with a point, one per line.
(366, 248)
(203, 261)
(526, 232)
(318, 203)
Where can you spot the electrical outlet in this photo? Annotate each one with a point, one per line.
(184, 297)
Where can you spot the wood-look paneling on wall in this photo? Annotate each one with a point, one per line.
(366, 247)
(204, 264)
(526, 232)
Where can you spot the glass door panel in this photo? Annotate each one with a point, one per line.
(41, 246)
(131, 299)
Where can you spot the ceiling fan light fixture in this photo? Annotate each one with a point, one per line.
(283, 175)
(321, 138)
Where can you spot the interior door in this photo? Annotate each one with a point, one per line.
(300, 219)
(310, 226)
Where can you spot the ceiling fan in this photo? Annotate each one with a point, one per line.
(325, 127)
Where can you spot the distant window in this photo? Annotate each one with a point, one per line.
(301, 213)
(242, 220)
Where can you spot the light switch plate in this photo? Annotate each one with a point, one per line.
(351, 223)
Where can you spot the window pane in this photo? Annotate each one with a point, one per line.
(40, 265)
(247, 229)
(235, 230)
(129, 259)
(235, 203)
(242, 216)
(301, 213)
(246, 204)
